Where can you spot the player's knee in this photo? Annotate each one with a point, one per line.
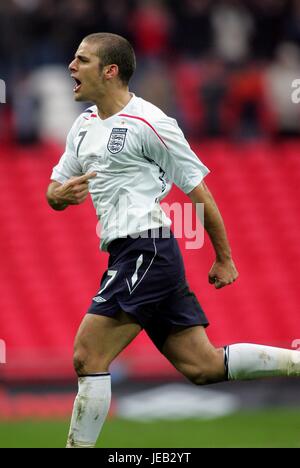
(79, 362)
(210, 370)
(81, 359)
(87, 361)
(198, 376)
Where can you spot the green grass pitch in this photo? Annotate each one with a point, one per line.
(268, 428)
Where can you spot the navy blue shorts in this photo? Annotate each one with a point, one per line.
(146, 279)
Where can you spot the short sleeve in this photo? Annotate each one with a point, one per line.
(68, 165)
(165, 143)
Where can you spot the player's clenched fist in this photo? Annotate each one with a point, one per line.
(72, 192)
(223, 273)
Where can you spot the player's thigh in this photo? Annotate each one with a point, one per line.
(105, 337)
(191, 352)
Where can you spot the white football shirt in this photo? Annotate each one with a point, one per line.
(137, 154)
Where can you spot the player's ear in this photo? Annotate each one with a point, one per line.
(111, 71)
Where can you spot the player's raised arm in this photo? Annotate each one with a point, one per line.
(223, 271)
(72, 192)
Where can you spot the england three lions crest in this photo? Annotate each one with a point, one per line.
(116, 140)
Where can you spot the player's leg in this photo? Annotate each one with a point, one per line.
(99, 340)
(191, 352)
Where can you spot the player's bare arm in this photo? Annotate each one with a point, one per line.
(72, 192)
(223, 271)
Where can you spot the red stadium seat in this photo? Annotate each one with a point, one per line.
(50, 265)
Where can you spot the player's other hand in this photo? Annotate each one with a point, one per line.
(75, 190)
(223, 273)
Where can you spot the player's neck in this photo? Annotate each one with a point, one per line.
(113, 102)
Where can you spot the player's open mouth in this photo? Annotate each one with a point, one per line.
(77, 85)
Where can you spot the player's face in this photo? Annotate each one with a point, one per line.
(86, 71)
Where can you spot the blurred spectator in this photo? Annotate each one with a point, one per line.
(187, 81)
(76, 19)
(193, 34)
(207, 51)
(52, 87)
(200, 90)
(43, 105)
(115, 17)
(233, 27)
(150, 26)
(279, 78)
(26, 107)
(213, 91)
(247, 113)
(292, 25)
(269, 16)
(154, 84)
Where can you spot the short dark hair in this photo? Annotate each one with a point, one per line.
(115, 49)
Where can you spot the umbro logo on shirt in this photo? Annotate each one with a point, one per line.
(116, 140)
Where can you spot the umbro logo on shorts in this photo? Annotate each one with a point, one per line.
(99, 299)
(116, 140)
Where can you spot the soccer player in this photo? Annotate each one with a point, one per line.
(126, 148)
